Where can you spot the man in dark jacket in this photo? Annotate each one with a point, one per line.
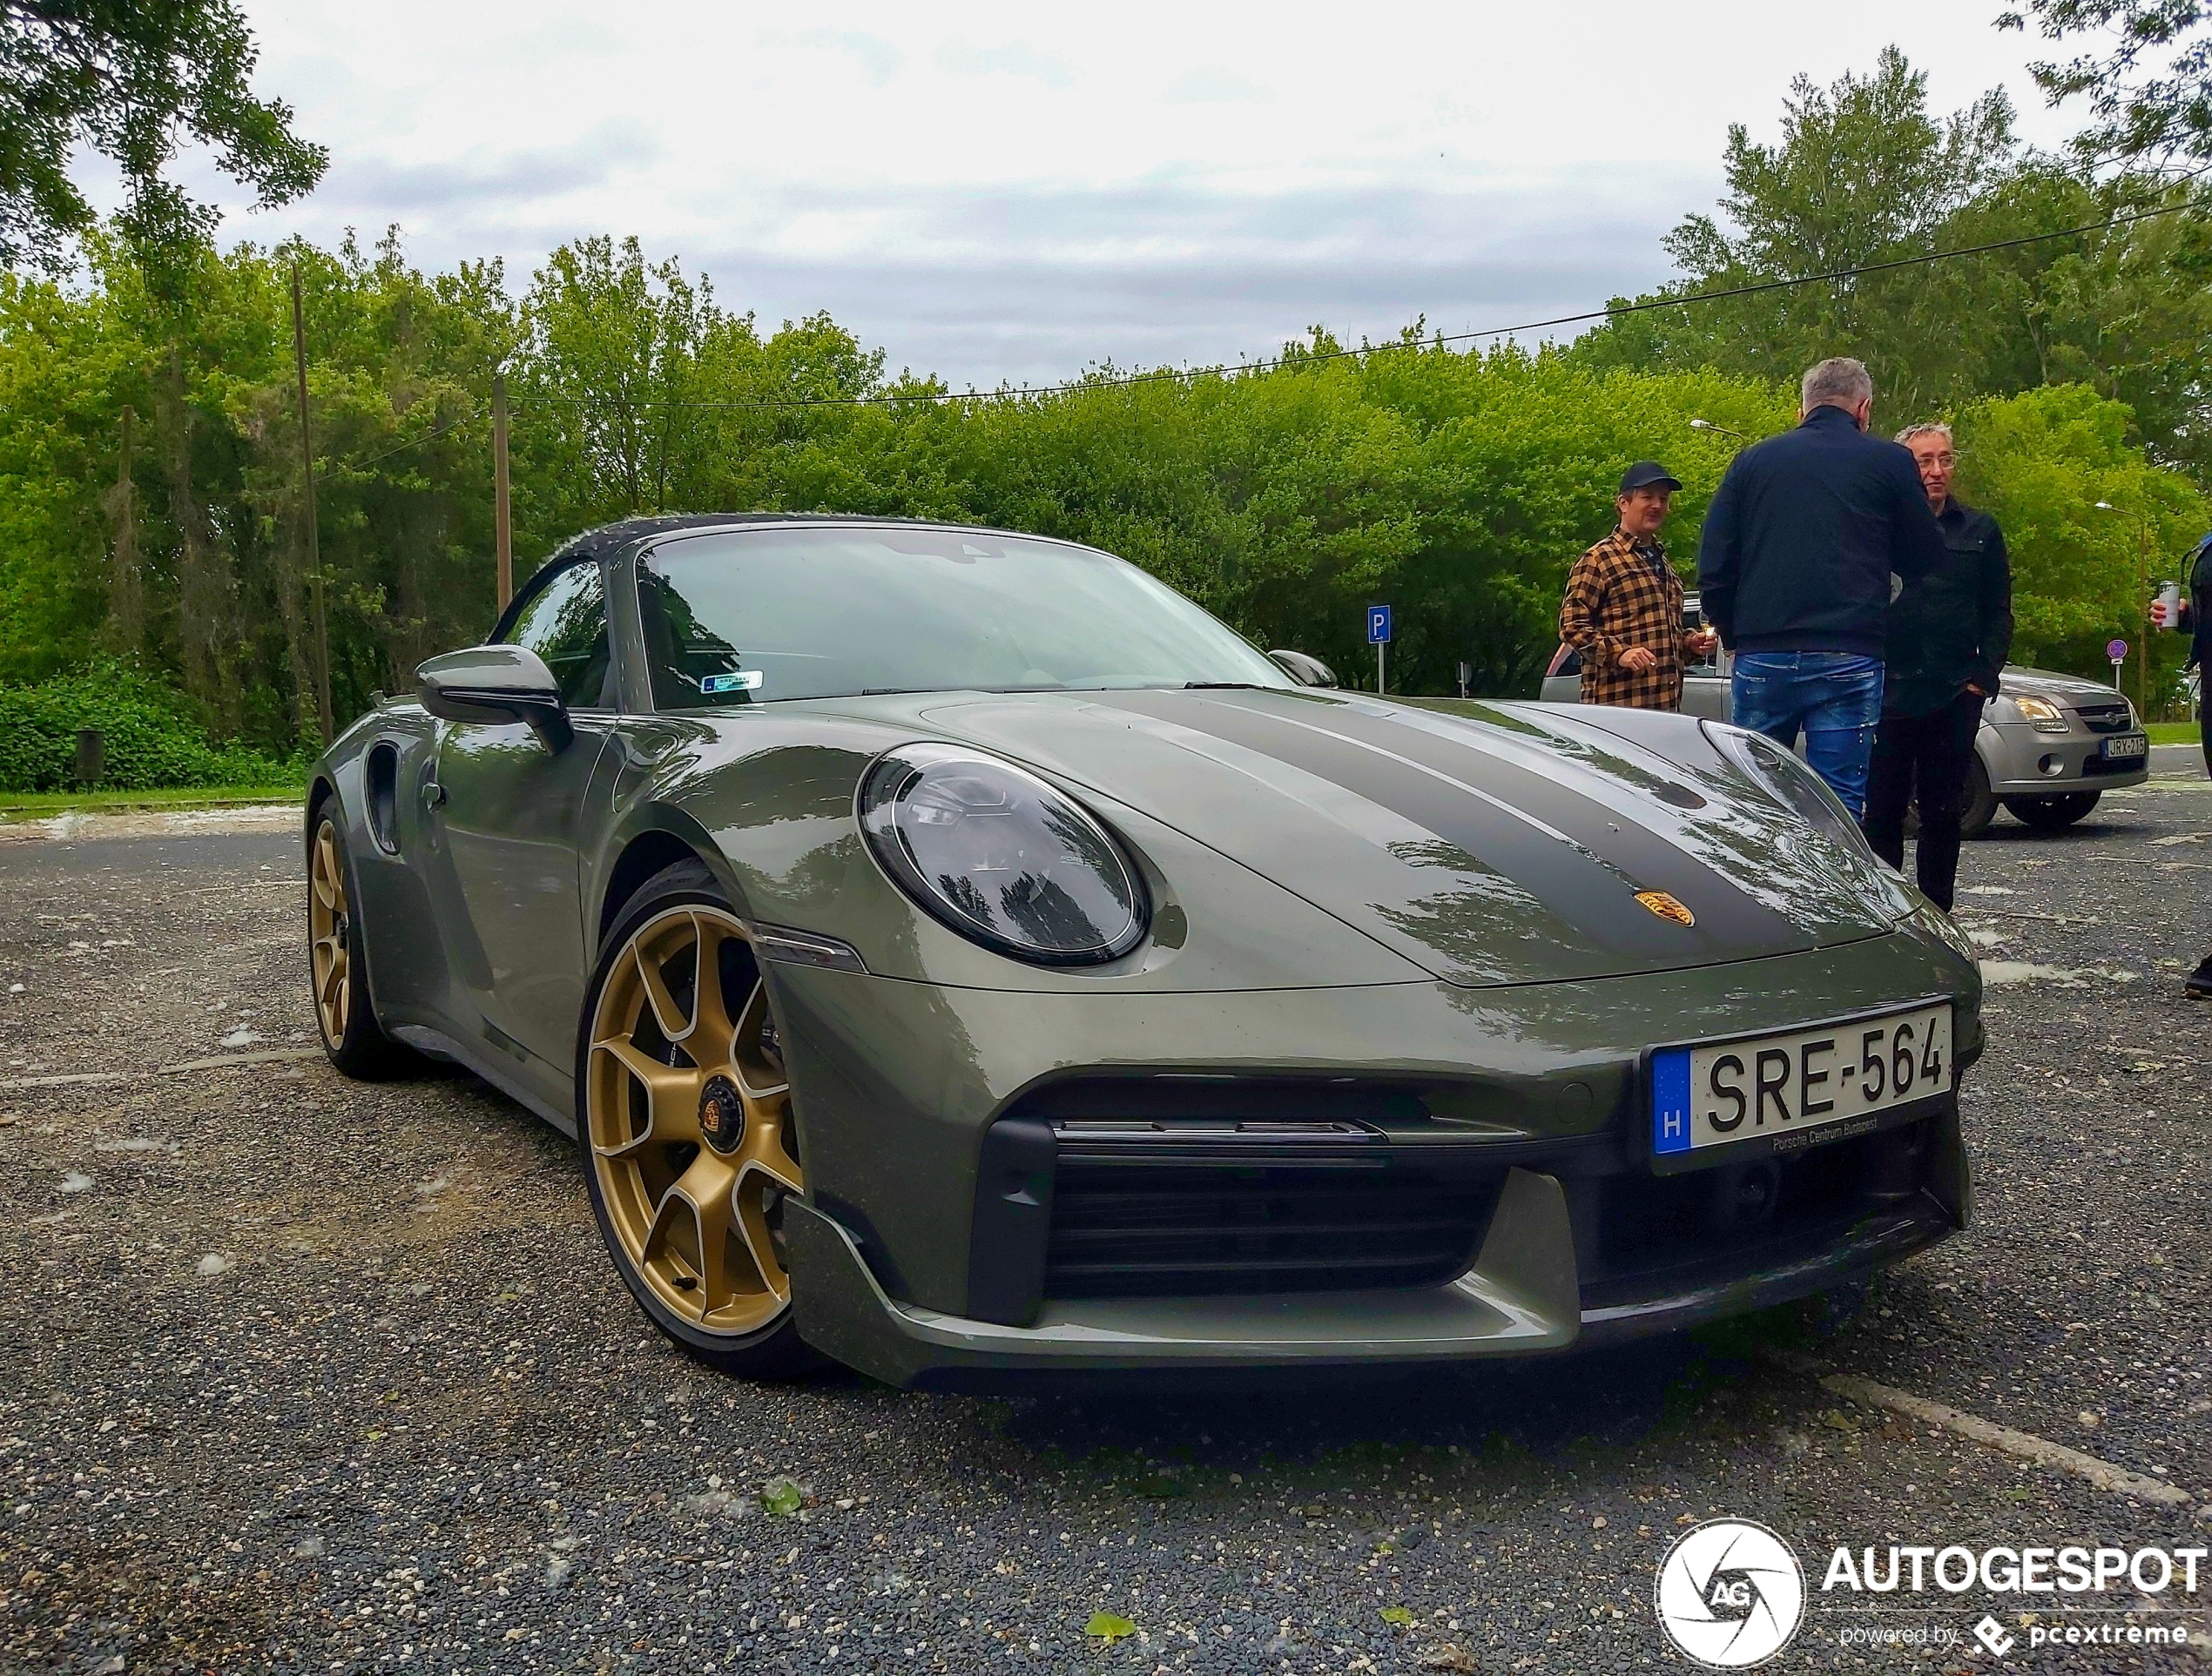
(1949, 632)
(1800, 543)
(2195, 615)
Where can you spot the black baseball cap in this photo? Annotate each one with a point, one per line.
(1648, 473)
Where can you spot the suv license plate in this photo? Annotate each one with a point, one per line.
(1795, 1089)
(2126, 747)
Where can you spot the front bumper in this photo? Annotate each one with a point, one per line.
(2023, 763)
(1527, 1102)
(1521, 1295)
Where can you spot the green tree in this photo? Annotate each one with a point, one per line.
(2150, 87)
(2042, 461)
(1863, 174)
(1456, 487)
(133, 82)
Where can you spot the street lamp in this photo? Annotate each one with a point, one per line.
(1708, 425)
(2143, 662)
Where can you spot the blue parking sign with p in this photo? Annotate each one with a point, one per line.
(1378, 624)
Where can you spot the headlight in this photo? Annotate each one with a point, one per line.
(1001, 856)
(2044, 716)
(1780, 771)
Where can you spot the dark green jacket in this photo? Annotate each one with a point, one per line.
(1955, 625)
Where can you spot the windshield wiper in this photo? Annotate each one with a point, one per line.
(1224, 686)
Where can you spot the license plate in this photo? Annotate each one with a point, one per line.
(1797, 1089)
(2126, 747)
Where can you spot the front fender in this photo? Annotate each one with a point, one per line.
(768, 804)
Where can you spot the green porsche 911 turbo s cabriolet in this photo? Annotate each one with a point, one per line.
(957, 953)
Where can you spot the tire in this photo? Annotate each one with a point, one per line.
(1981, 802)
(687, 1173)
(2052, 813)
(338, 968)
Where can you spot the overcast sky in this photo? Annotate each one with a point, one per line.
(1015, 192)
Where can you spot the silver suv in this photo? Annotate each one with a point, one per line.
(2050, 744)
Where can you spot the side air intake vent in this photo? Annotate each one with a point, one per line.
(381, 772)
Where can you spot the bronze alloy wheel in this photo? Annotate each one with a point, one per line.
(329, 943)
(688, 1122)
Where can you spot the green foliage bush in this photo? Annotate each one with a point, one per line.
(148, 738)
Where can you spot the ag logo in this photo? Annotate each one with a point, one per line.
(1730, 1594)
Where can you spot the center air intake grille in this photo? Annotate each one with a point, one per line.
(2104, 719)
(1146, 1228)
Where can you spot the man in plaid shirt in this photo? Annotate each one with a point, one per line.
(1624, 606)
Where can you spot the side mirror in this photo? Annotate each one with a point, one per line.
(1307, 671)
(491, 686)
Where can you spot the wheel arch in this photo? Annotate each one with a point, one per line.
(658, 838)
(321, 789)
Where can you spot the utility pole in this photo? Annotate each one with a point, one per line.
(502, 514)
(308, 488)
(126, 587)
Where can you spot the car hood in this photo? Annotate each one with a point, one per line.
(1506, 846)
(2067, 688)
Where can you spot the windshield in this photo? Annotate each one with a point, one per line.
(751, 618)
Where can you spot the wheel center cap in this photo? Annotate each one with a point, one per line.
(722, 1114)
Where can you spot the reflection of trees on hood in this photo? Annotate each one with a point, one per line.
(1769, 852)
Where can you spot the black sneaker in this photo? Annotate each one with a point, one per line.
(2198, 985)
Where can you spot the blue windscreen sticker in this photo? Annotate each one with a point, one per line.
(1670, 1100)
(736, 681)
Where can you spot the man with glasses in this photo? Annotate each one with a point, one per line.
(1949, 632)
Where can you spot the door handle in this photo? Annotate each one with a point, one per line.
(433, 795)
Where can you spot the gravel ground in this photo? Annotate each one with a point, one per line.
(307, 1374)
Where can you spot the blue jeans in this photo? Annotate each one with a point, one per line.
(1835, 698)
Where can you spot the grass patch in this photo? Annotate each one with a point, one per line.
(2174, 733)
(40, 805)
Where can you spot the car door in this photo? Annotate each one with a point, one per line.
(1705, 692)
(508, 810)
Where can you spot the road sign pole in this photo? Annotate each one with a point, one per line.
(307, 515)
(1378, 631)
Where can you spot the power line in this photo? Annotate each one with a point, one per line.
(1301, 357)
(430, 435)
(1304, 357)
